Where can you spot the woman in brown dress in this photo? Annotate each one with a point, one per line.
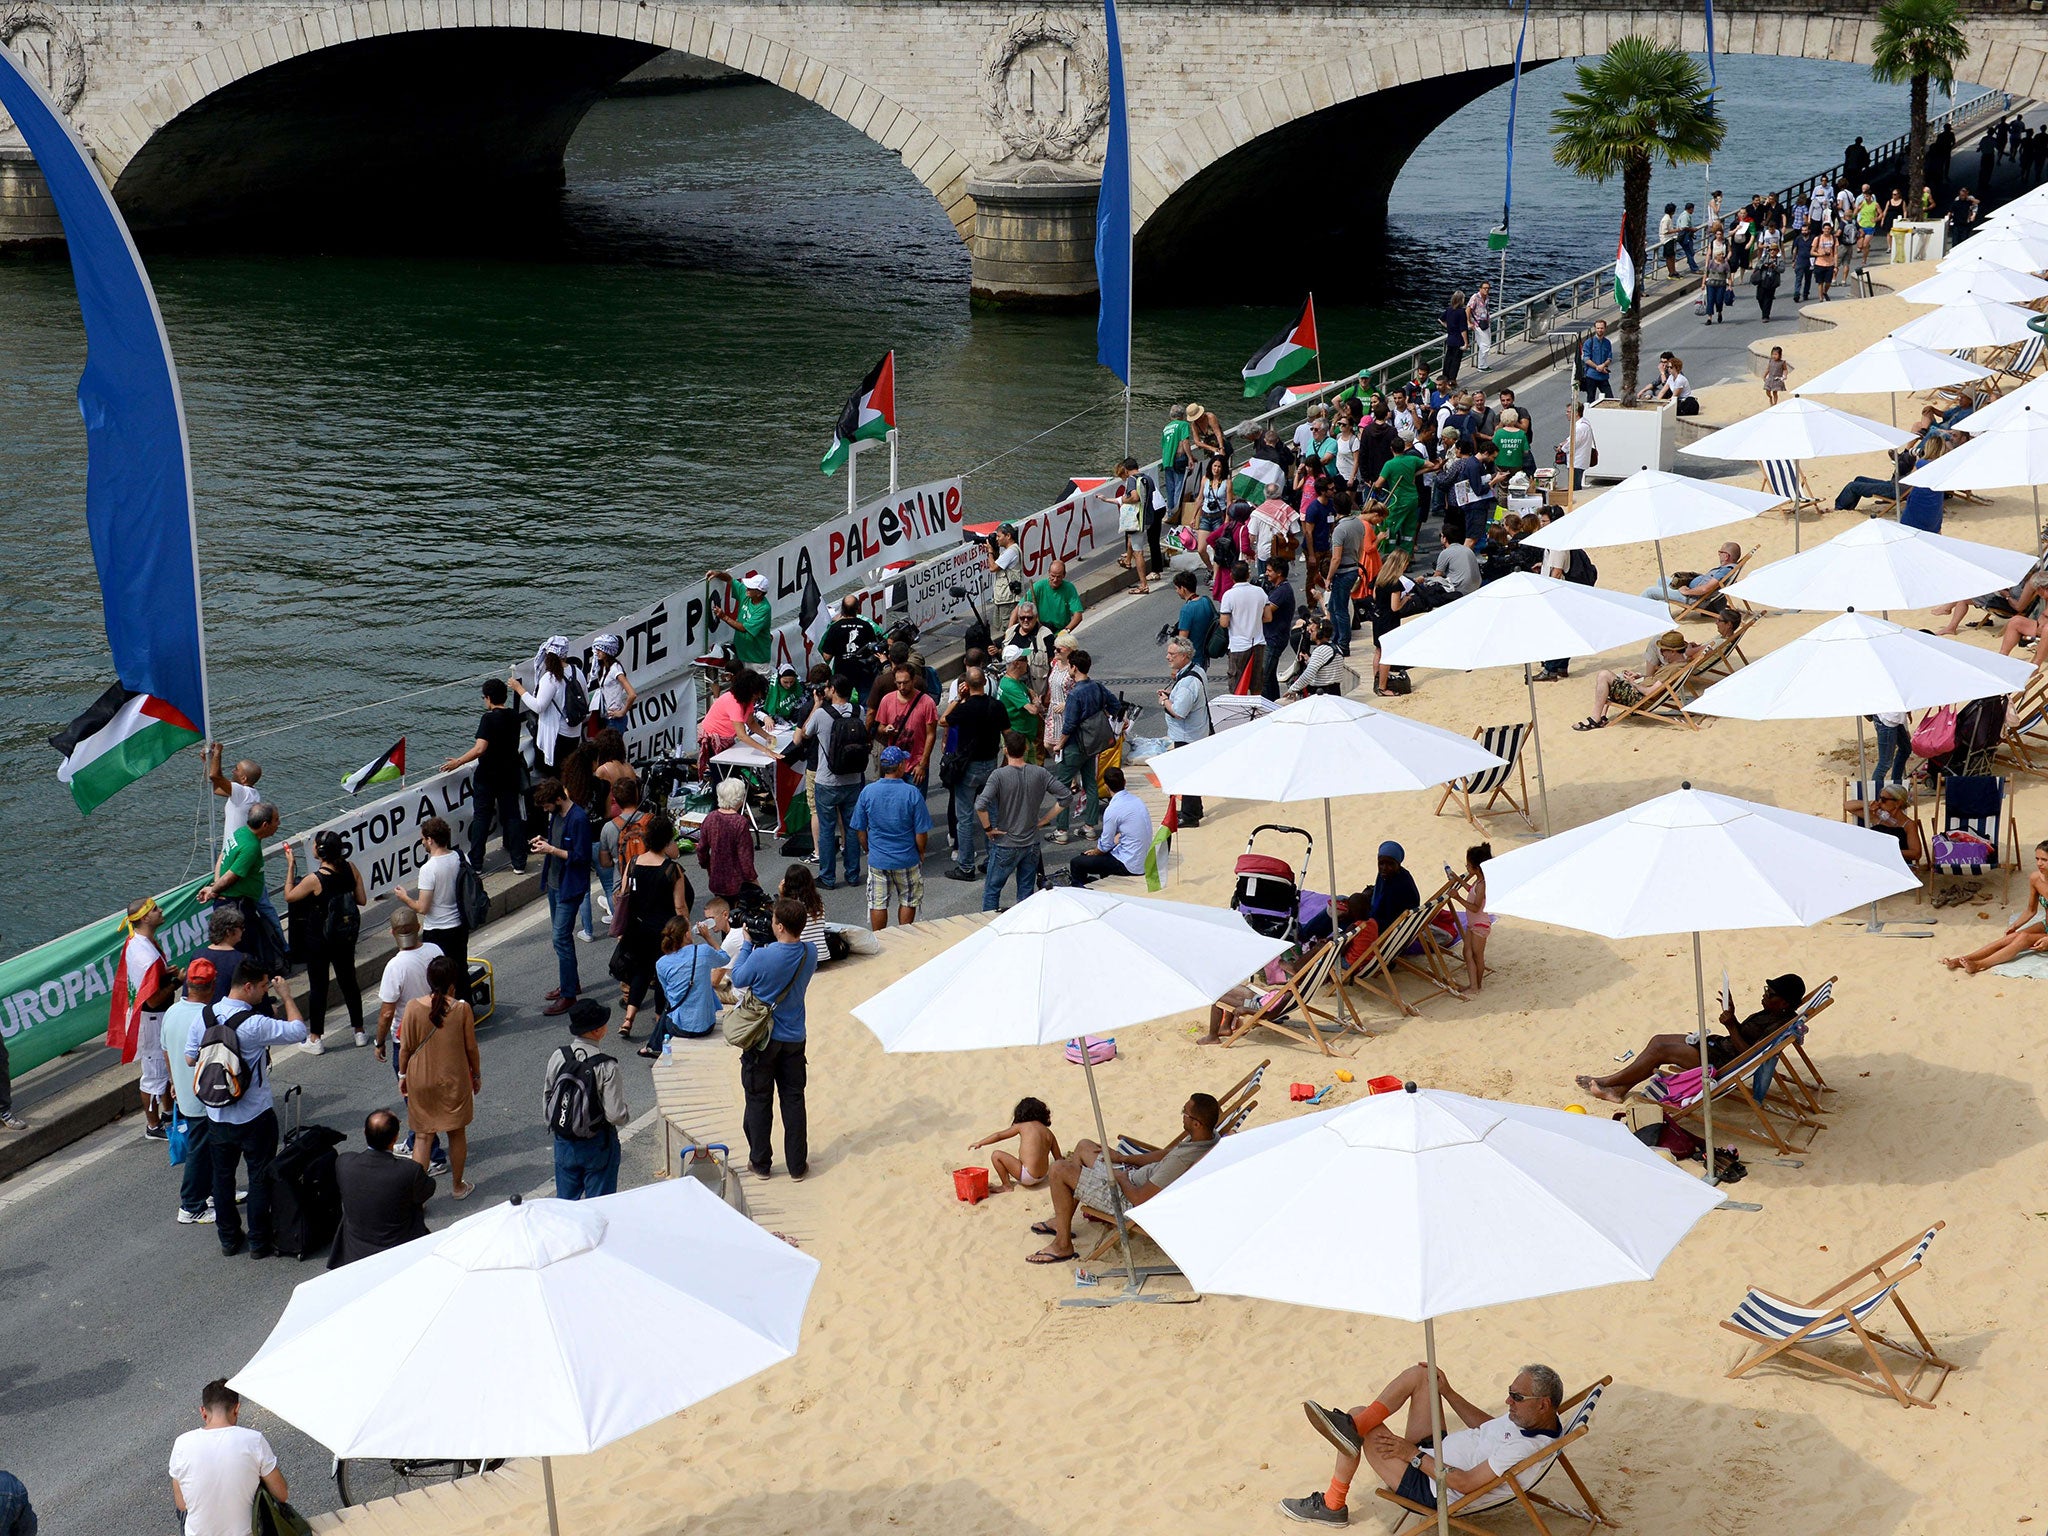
(439, 1071)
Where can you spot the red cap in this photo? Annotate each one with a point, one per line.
(201, 969)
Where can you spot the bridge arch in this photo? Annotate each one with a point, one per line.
(145, 148)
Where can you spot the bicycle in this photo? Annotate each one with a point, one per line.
(360, 1479)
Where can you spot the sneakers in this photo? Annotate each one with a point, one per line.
(155, 1133)
(438, 1168)
(1335, 1426)
(1313, 1511)
(12, 1122)
(362, 1038)
(239, 1246)
(826, 883)
(955, 872)
(1055, 836)
(316, 1047)
(194, 1218)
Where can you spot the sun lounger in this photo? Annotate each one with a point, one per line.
(1518, 1484)
(1229, 1125)
(2018, 362)
(1977, 803)
(1703, 607)
(1722, 655)
(1228, 1103)
(1289, 1008)
(1784, 477)
(1497, 784)
(1818, 1001)
(1779, 1327)
(1745, 1087)
(1666, 698)
(1408, 945)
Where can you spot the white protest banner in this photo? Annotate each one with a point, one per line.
(663, 722)
(383, 837)
(928, 588)
(895, 527)
(1071, 531)
(660, 640)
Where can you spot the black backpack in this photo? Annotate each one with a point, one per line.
(575, 700)
(470, 896)
(575, 1105)
(343, 923)
(222, 1074)
(1580, 568)
(847, 752)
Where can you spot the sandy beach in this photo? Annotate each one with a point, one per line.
(942, 1391)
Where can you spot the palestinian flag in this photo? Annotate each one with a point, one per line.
(1295, 394)
(1284, 356)
(1624, 272)
(386, 769)
(868, 416)
(116, 742)
(1257, 479)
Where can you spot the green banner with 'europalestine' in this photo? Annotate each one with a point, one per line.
(57, 996)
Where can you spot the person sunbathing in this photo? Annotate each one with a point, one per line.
(1092, 1179)
(1472, 1457)
(1624, 686)
(1037, 1147)
(1887, 814)
(1698, 586)
(2028, 931)
(1782, 995)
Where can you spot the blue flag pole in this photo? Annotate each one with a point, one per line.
(1713, 86)
(1113, 231)
(1507, 197)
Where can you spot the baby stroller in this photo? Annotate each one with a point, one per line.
(1268, 896)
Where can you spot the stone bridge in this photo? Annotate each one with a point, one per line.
(204, 114)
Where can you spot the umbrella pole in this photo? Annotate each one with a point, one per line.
(1699, 987)
(547, 1478)
(1870, 789)
(2035, 491)
(1436, 1428)
(1663, 581)
(1133, 1276)
(1536, 740)
(1795, 518)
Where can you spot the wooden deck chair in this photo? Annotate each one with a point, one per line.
(1390, 952)
(1518, 1484)
(1779, 1327)
(1977, 803)
(1818, 1001)
(1862, 791)
(1697, 608)
(1723, 655)
(1665, 699)
(1288, 1008)
(1228, 1103)
(1784, 477)
(2024, 741)
(2019, 362)
(1744, 1085)
(1229, 1125)
(1497, 784)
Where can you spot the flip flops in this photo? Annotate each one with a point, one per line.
(1044, 1229)
(1047, 1256)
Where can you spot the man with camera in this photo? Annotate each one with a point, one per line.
(852, 644)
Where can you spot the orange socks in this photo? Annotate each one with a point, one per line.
(1370, 1418)
(1339, 1490)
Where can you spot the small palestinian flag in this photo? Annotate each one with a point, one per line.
(1624, 272)
(1284, 356)
(116, 742)
(868, 416)
(379, 770)
(1257, 479)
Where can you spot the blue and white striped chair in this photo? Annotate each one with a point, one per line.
(1977, 803)
(1780, 1327)
(1505, 743)
(2019, 364)
(1517, 1485)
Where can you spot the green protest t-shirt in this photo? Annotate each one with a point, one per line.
(1513, 443)
(1399, 475)
(751, 643)
(1058, 606)
(1177, 434)
(1015, 697)
(242, 866)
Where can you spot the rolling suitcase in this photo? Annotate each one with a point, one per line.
(305, 1199)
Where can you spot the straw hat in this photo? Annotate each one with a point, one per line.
(1194, 413)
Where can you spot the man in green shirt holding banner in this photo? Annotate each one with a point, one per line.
(1404, 512)
(750, 617)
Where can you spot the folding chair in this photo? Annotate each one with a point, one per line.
(1721, 655)
(1286, 1008)
(1977, 803)
(1857, 792)
(1504, 742)
(1407, 945)
(1517, 1485)
(1818, 1001)
(1228, 1102)
(1784, 477)
(1698, 608)
(2018, 363)
(2024, 740)
(1229, 1125)
(1780, 1327)
(1745, 1084)
(1664, 699)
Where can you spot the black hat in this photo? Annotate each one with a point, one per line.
(587, 1017)
(1789, 988)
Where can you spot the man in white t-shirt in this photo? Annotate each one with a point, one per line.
(1243, 612)
(238, 789)
(439, 900)
(405, 978)
(1472, 1457)
(215, 1470)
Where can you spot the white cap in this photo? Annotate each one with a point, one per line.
(754, 581)
(1014, 653)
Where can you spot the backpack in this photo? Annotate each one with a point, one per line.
(1579, 568)
(575, 1104)
(632, 839)
(575, 701)
(1094, 734)
(848, 751)
(343, 924)
(470, 896)
(222, 1075)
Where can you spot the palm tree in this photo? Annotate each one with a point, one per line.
(1640, 103)
(1919, 42)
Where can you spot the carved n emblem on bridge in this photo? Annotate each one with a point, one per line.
(1045, 86)
(49, 48)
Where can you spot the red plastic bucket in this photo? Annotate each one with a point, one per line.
(971, 1184)
(1383, 1084)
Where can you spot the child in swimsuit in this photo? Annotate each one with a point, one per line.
(1469, 891)
(1037, 1147)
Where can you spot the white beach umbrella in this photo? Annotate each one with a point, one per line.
(1971, 322)
(1321, 748)
(1415, 1198)
(1065, 963)
(1798, 429)
(1878, 565)
(1520, 619)
(1696, 862)
(498, 1336)
(2006, 451)
(1652, 505)
(2006, 408)
(1893, 366)
(1976, 281)
(2003, 245)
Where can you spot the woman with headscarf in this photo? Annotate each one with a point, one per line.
(611, 692)
(553, 737)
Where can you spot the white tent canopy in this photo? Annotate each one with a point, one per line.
(1971, 322)
(1652, 504)
(1859, 664)
(1878, 565)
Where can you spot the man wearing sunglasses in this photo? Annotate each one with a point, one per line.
(1406, 1462)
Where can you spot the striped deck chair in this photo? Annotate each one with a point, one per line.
(1861, 792)
(1780, 1327)
(2024, 740)
(1976, 803)
(1518, 1484)
(1666, 698)
(1744, 1085)
(1784, 477)
(2018, 363)
(1229, 1125)
(1698, 608)
(1288, 1008)
(1497, 784)
(1410, 946)
(1723, 655)
(1818, 1001)
(1230, 1102)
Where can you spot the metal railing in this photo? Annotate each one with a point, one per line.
(1893, 151)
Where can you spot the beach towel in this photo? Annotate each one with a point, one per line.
(2032, 965)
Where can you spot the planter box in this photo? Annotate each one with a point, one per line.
(1633, 437)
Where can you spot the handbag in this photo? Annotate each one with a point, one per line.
(1130, 517)
(178, 1138)
(1935, 736)
(749, 1021)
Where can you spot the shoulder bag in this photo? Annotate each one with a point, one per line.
(749, 1021)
